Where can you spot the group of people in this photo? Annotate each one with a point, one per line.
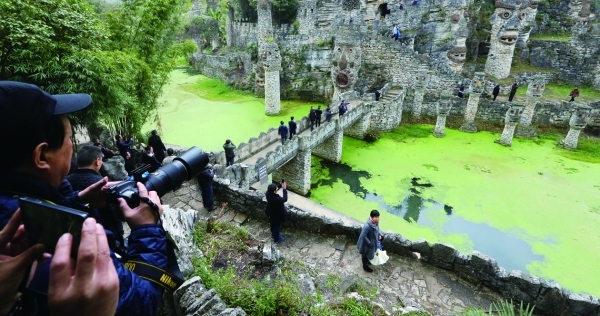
(96, 281)
(286, 132)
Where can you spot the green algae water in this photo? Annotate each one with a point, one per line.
(188, 119)
(527, 206)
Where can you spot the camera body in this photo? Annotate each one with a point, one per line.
(279, 184)
(166, 178)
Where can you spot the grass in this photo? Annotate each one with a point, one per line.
(559, 91)
(213, 89)
(520, 65)
(502, 308)
(554, 37)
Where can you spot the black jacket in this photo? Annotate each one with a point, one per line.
(159, 148)
(312, 115)
(124, 147)
(206, 178)
(293, 127)
(496, 90)
(129, 165)
(318, 113)
(275, 206)
(83, 178)
(151, 160)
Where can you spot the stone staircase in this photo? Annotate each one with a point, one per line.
(390, 95)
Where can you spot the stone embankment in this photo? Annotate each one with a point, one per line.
(435, 282)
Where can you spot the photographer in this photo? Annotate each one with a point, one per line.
(276, 208)
(38, 163)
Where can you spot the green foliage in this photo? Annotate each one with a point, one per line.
(552, 36)
(588, 150)
(502, 308)
(214, 89)
(408, 131)
(252, 48)
(269, 39)
(295, 27)
(203, 27)
(284, 11)
(121, 57)
(348, 306)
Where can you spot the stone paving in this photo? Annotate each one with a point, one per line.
(400, 281)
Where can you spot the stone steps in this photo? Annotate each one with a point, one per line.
(391, 95)
(192, 298)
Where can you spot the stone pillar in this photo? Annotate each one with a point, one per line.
(510, 122)
(475, 90)
(307, 16)
(421, 81)
(443, 109)
(359, 129)
(230, 33)
(272, 65)
(578, 121)
(264, 23)
(331, 148)
(296, 172)
(506, 24)
(535, 89)
(245, 183)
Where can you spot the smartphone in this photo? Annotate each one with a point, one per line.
(45, 223)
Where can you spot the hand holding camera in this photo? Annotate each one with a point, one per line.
(144, 213)
(283, 184)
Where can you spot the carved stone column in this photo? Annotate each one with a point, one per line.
(476, 89)
(578, 121)
(535, 89)
(331, 148)
(421, 81)
(511, 119)
(443, 109)
(272, 65)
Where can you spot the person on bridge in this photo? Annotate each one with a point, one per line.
(292, 126)
(343, 108)
(369, 239)
(283, 132)
(312, 116)
(229, 153)
(328, 114)
(276, 209)
(318, 114)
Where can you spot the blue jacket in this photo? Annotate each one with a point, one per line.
(293, 127)
(147, 243)
(124, 147)
(283, 130)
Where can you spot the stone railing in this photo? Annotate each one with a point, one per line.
(548, 297)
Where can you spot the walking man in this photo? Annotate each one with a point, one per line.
(377, 95)
(292, 126)
(318, 114)
(205, 180)
(513, 91)
(276, 209)
(312, 116)
(328, 114)
(283, 132)
(574, 94)
(496, 91)
(229, 153)
(368, 239)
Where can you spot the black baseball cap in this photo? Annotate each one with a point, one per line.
(23, 103)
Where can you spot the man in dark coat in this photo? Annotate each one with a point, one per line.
(574, 94)
(129, 164)
(461, 91)
(292, 126)
(328, 114)
(496, 91)
(283, 132)
(276, 209)
(38, 163)
(312, 116)
(149, 158)
(513, 91)
(89, 162)
(343, 108)
(377, 95)
(205, 180)
(318, 114)
(123, 145)
(368, 239)
(157, 145)
(229, 148)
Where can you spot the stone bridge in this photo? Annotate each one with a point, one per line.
(292, 161)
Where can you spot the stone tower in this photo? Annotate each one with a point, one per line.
(511, 119)
(528, 21)
(475, 90)
(307, 16)
(443, 109)
(578, 121)
(506, 25)
(535, 89)
(269, 57)
(420, 84)
(271, 60)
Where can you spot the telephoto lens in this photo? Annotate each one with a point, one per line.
(184, 167)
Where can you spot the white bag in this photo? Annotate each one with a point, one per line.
(380, 258)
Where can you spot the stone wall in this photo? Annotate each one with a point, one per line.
(548, 297)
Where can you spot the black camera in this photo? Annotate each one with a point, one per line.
(279, 184)
(166, 178)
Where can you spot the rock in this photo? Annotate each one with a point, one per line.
(306, 285)
(483, 264)
(551, 300)
(233, 312)
(179, 224)
(526, 283)
(396, 243)
(422, 246)
(443, 255)
(579, 304)
(115, 168)
(270, 254)
(347, 283)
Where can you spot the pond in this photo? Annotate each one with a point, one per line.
(528, 206)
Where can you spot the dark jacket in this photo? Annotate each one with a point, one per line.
(229, 149)
(312, 115)
(496, 90)
(129, 165)
(107, 154)
(159, 148)
(377, 95)
(513, 89)
(293, 127)
(276, 207)
(152, 161)
(367, 241)
(283, 130)
(124, 147)
(343, 108)
(147, 243)
(318, 113)
(206, 178)
(83, 178)
(328, 114)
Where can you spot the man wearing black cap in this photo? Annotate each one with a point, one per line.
(276, 208)
(40, 156)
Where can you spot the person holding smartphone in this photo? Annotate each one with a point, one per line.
(276, 208)
(39, 162)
